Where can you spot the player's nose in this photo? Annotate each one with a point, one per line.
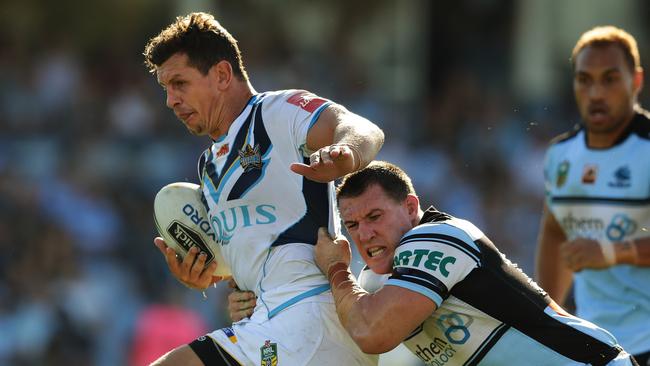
(172, 100)
(365, 232)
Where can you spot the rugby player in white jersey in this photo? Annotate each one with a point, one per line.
(451, 297)
(266, 180)
(594, 231)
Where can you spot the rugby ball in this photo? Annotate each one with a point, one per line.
(182, 220)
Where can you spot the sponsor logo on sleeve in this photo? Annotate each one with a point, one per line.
(306, 101)
(430, 259)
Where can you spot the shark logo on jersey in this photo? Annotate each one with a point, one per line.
(562, 173)
(589, 174)
(622, 177)
(250, 157)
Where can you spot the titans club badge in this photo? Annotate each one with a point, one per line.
(250, 157)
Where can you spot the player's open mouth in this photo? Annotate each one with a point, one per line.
(373, 252)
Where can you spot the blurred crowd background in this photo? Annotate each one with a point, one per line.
(468, 92)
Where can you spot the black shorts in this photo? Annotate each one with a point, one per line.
(211, 353)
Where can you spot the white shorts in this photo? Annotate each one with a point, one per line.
(307, 333)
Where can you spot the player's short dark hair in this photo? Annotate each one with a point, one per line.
(609, 35)
(393, 180)
(201, 38)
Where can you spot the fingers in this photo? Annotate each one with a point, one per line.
(169, 254)
(232, 284)
(192, 270)
(329, 154)
(323, 234)
(241, 304)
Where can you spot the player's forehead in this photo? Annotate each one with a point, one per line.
(174, 67)
(600, 58)
(372, 199)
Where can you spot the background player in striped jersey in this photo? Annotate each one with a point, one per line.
(451, 297)
(264, 216)
(594, 230)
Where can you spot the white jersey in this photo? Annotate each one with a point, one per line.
(604, 194)
(488, 311)
(264, 216)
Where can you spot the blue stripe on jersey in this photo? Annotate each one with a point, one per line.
(417, 288)
(271, 313)
(602, 200)
(317, 113)
(251, 178)
(218, 182)
(421, 278)
(487, 344)
(317, 214)
(469, 249)
(313, 292)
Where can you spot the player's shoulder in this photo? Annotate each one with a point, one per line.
(641, 124)
(567, 136)
(294, 99)
(440, 228)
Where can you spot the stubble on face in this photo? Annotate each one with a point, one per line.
(187, 91)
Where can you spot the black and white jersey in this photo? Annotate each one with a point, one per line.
(488, 311)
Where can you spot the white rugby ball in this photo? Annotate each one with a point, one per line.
(182, 220)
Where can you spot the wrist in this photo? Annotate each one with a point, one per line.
(357, 156)
(609, 252)
(626, 252)
(338, 273)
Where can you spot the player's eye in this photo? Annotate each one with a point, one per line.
(351, 226)
(582, 79)
(610, 79)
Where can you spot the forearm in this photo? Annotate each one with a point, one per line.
(552, 275)
(352, 303)
(347, 293)
(363, 137)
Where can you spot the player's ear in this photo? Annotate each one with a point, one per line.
(412, 205)
(638, 79)
(222, 74)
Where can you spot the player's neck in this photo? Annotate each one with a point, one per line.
(232, 106)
